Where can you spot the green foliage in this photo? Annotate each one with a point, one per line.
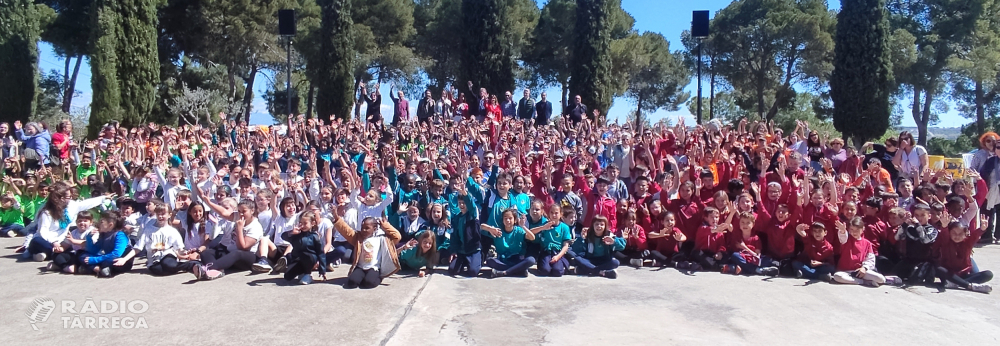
(332, 67)
(486, 58)
(657, 77)
(383, 32)
(69, 31)
(976, 69)
(439, 39)
(50, 97)
(860, 84)
(19, 32)
(591, 69)
(105, 104)
(767, 47)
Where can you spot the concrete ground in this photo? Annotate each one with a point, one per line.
(643, 306)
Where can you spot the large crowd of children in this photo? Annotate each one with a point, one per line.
(470, 191)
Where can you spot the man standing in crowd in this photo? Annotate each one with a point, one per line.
(374, 102)
(543, 110)
(425, 108)
(577, 110)
(508, 107)
(526, 107)
(402, 110)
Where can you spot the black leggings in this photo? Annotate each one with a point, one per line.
(706, 259)
(302, 266)
(976, 278)
(358, 277)
(65, 258)
(667, 261)
(626, 255)
(169, 265)
(238, 260)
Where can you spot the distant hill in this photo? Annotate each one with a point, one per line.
(949, 133)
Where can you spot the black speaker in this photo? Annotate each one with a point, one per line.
(699, 24)
(286, 22)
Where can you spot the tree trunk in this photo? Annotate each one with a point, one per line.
(231, 96)
(71, 86)
(357, 102)
(638, 113)
(980, 109)
(925, 117)
(760, 95)
(565, 94)
(711, 96)
(309, 100)
(248, 94)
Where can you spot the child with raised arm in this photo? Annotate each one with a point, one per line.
(419, 254)
(509, 242)
(857, 256)
(815, 262)
(666, 242)
(555, 239)
(594, 250)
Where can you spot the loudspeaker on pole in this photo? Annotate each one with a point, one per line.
(699, 24)
(286, 22)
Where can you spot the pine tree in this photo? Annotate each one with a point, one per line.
(860, 84)
(335, 61)
(590, 76)
(486, 56)
(138, 63)
(19, 31)
(106, 30)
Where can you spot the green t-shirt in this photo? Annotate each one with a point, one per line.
(410, 258)
(552, 240)
(31, 205)
(510, 244)
(11, 216)
(82, 173)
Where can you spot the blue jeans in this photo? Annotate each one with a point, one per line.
(473, 263)
(39, 245)
(514, 266)
(748, 268)
(15, 227)
(812, 273)
(547, 268)
(593, 266)
(342, 250)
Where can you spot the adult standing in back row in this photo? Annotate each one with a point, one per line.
(577, 110)
(479, 102)
(543, 111)
(910, 158)
(402, 106)
(526, 107)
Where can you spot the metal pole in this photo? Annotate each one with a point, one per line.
(288, 78)
(699, 81)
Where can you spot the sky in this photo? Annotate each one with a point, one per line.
(668, 18)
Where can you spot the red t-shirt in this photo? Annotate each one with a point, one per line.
(59, 139)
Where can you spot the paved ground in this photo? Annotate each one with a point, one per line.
(643, 306)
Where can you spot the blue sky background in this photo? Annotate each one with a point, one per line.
(668, 17)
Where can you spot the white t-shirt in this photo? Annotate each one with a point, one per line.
(911, 161)
(280, 225)
(325, 225)
(166, 237)
(369, 253)
(252, 230)
(191, 237)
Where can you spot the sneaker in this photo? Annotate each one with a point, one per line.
(20, 249)
(39, 257)
(893, 280)
(261, 266)
(731, 269)
(635, 262)
(212, 274)
(492, 253)
(337, 263)
(656, 263)
(305, 279)
(281, 265)
(951, 285)
(982, 288)
(769, 271)
(683, 265)
(104, 272)
(51, 267)
(497, 273)
(70, 269)
(198, 271)
(11, 234)
(826, 277)
(330, 267)
(610, 274)
(798, 274)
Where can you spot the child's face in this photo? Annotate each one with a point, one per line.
(371, 198)
(246, 213)
(7, 204)
(150, 208)
(713, 219)
(622, 205)
(669, 222)
(850, 211)
(567, 184)
(602, 188)
(412, 212)
(462, 208)
(629, 220)
(856, 231)
(773, 192)
(289, 209)
(745, 203)
(306, 223)
(85, 162)
(128, 209)
(851, 195)
(782, 214)
(519, 185)
(535, 211)
(569, 218)
(895, 220)
(508, 221)
(437, 191)
(84, 224)
(746, 225)
(818, 233)
(174, 178)
(818, 199)
(923, 216)
(437, 213)
(656, 208)
(202, 174)
(198, 214)
(162, 218)
(105, 225)
(325, 195)
(426, 244)
(958, 234)
(220, 194)
(599, 228)
(503, 185)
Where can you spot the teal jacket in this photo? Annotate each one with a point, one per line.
(596, 249)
